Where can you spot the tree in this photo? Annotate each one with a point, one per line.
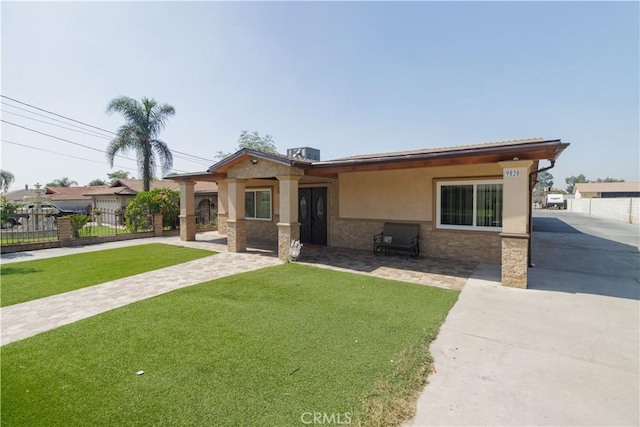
(253, 141)
(607, 179)
(119, 174)
(144, 122)
(6, 179)
(97, 181)
(545, 180)
(573, 180)
(62, 182)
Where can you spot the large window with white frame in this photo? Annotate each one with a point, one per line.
(257, 203)
(469, 205)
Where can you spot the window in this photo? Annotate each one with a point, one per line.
(257, 204)
(470, 205)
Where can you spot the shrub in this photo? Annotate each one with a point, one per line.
(161, 200)
(77, 222)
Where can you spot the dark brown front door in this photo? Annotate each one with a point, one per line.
(312, 215)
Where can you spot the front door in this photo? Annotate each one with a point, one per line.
(312, 215)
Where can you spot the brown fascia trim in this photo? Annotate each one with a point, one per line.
(466, 152)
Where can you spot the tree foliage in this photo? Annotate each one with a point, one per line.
(545, 180)
(160, 200)
(607, 179)
(77, 222)
(62, 182)
(119, 174)
(6, 179)
(254, 141)
(573, 180)
(580, 179)
(144, 122)
(97, 181)
(6, 209)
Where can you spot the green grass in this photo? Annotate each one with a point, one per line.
(29, 280)
(260, 348)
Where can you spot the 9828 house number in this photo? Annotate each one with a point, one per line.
(510, 173)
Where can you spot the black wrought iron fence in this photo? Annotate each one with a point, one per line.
(206, 217)
(30, 225)
(108, 222)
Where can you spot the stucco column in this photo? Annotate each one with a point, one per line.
(236, 226)
(515, 222)
(187, 211)
(288, 227)
(223, 203)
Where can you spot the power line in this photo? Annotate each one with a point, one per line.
(60, 126)
(56, 114)
(42, 115)
(209, 161)
(72, 142)
(103, 137)
(65, 155)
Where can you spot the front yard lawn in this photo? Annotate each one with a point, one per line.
(271, 347)
(29, 280)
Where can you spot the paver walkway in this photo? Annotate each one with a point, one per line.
(23, 320)
(33, 317)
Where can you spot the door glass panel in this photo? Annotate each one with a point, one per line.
(303, 207)
(320, 208)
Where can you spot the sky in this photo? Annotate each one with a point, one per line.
(345, 78)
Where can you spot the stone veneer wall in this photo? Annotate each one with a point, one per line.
(472, 246)
(222, 223)
(262, 229)
(514, 262)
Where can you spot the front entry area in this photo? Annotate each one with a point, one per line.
(312, 215)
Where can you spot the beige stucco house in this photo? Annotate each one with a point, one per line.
(472, 202)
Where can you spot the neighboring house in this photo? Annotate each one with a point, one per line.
(121, 192)
(72, 198)
(472, 202)
(606, 190)
(18, 196)
(66, 198)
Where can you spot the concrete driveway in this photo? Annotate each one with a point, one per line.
(565, 352)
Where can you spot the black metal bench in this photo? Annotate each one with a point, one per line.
(398, 236)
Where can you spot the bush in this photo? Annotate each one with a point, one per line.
(161, 200)
(6, 209)
(77, 222)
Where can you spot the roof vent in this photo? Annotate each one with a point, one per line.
(306, 153)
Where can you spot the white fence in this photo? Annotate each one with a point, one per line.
(625, 209)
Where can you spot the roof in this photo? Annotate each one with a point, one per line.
(535, 149)
(607, 187)
(72, 193)
(19, 195)
(131, 187)
(510, 143)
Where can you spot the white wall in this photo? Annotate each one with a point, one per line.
(625, 209)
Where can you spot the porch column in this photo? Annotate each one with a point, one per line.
(187, 211)
(515, 222)
(236, 226)
(288, 227)
(223, 206)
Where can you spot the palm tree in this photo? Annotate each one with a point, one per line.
(145, 120)
(6, 179)
(62, 182)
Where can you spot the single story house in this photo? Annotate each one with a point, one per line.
(121, 192)
(471, 201)
(606, 190)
